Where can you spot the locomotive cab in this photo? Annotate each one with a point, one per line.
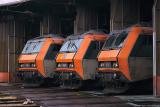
(76, 61)
(37, 59)
(126, 57)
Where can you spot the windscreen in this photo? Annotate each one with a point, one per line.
(33, 46)
(71, 45)
(115, 41)
(109, 42)
(120, 39)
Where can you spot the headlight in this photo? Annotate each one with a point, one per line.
(33, 65)
(62, 65)
(101, 65)
(71, 65)
(27, 65)
(21, 65)
(70, 73)
(115, 64)
(58, 65)
(108, 64)
(65, 65)
(105, 64)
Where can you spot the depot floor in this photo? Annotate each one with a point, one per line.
(15, 95)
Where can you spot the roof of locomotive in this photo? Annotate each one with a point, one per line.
(50, 36)
(82, 35)
(115, 32)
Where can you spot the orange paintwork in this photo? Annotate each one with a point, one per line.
(108, 69)
(4, 77)
(129, 44)
(123, 53)
(77, 58)
(65, 57)
(39, 57)
(27, 69)
(109, 55)
(65, 69)
(156, 84)
(97, 37)
(27, 58)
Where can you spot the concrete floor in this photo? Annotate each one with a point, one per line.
(57, 97)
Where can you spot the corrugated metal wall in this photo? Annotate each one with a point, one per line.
(50, 24)
(11, 44)
(88, 18)
(124, 13)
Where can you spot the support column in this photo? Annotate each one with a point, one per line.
(156, 48)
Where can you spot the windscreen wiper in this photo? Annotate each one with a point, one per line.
(69, 44)
(73, 44)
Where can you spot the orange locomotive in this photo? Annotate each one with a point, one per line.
(38, 57)
(126, 57)
(76, 60)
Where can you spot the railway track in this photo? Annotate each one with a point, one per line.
(17, 96)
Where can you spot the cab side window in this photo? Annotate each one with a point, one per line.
(143, 47)
(93, 49)
(52, 51)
